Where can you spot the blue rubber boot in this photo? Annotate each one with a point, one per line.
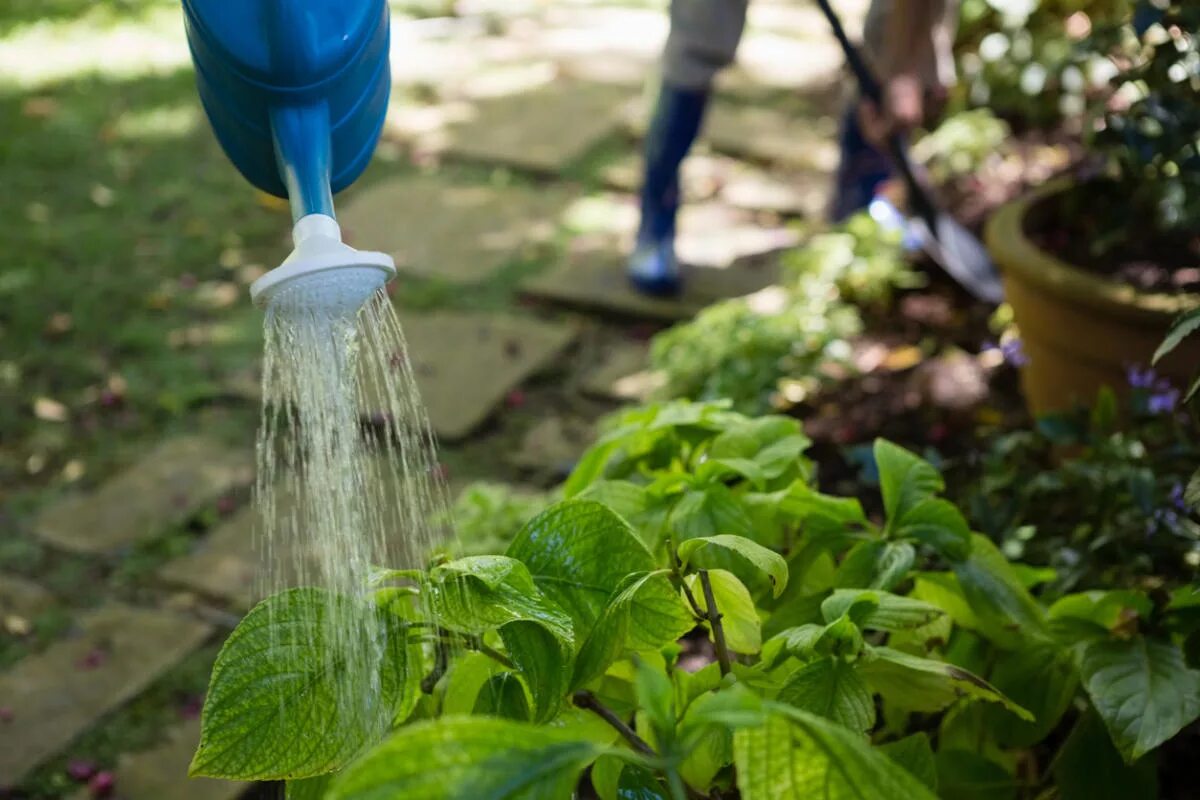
(653, 267)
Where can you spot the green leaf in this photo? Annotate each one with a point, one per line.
(922, 684)
(279, 675)
(706, 732)
(904, 479)
(578, 553)
(915, 754)
(753, 564)
(881, 611)
(656, 701)
(649, 596)
(1142, 689)
(963, 775)
(544, 662)
(892, 564)
(943, 590)
(739, 617)
(481, 593)
(832, 689)
(938, 524)
(710, 511)
(996, 595)
(1041, 678)
(800, 756)
(467, 676)
(503, 696)
(1088, 767)
(605, 775)
(639, 783)
(482, 758)
(1183, 326)
(307, 788)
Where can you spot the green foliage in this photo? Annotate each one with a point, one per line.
(1149, 136)
(836, 640)
(961, 144)
(744, 349)
(279, 673)
(488, 515)
(1104, 505)
(1026, 61)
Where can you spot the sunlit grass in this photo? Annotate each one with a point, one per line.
(147, 39)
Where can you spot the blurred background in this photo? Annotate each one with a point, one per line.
(506, 188)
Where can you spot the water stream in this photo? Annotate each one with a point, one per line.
(337, 496)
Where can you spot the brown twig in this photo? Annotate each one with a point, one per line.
(587, 700)
(477, 644)
(714, 620)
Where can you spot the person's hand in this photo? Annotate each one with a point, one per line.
(903, 109)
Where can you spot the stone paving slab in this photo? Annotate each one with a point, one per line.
(764, 134)
(466, 363)
(223, 565)
(711, 235)
(56, 695)
(22, 597)
(554, 444)
(623, 374)
(544, 130)
(461, 233)
(161, 773)
(597, 280)
(736, 183)
(164, 488)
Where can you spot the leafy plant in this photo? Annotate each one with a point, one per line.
(1114, 511)
(487, 515)
(730, 629)
(742, 349)
(1148, 138)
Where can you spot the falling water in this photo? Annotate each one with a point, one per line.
(337, 496)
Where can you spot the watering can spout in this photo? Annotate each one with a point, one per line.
(297, 94)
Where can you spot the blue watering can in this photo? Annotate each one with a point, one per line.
(297, 92)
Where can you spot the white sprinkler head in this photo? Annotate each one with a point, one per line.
(322, 273)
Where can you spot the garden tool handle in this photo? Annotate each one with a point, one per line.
(870, 88)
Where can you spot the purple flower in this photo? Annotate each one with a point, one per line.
(1176, 497)
(1163, 402)
(1014, 352)
(1140, 379)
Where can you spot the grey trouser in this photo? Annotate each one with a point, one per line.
(705, 34)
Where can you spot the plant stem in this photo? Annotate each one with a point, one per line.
(687, 590)
(587, 700)
(714, 620)
(441, 662)
(477, 643)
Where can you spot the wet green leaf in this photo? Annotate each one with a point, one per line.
(800, 756)
(279, 681)
(923, 684)
(578, 552)
(482, 758)
(753, 564)
(830, 687)
(880, 611)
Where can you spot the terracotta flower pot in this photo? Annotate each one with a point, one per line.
(1080, 330)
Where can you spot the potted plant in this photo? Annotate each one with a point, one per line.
(1098, 264)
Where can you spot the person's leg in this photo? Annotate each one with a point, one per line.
(704, 38)
(863, 168)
